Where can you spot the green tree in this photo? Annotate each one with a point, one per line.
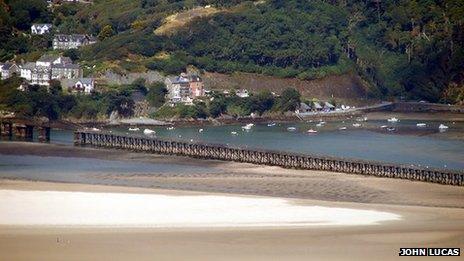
(156, 94)
(106, 32)
(289, 100)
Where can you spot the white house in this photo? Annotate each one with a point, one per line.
(178, 88)
(85, 85)
(26, 71)
(242, 93)
(41, 29)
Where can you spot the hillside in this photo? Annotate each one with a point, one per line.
(412, 49)
(346, 87)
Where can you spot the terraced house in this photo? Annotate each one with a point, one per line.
(72, 41)
(50, 67)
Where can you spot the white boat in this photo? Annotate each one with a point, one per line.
(148, 132)
(312, 131)
(391, 129)
(320, 124)
(291, 129)
(170, 128)
(383, 126)
(272, 124)
(356, 125)
(233, 132)
(248, 126)
(200, 130)
(393, 120)
(443, 127)
(95, 129)
(134, 129)
(421, 125)
(342, 128)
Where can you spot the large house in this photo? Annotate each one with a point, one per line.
(184, 88)
(72, 41)
(41, 29)
(8, 69)
(50, 67)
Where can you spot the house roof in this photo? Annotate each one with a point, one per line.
(28, 66)
(71, 82)
(180, 79)
(66, 66)
(85, 80)
(70, 37)
(8, 66)
(41, 25)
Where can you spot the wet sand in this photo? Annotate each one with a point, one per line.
(431, 215)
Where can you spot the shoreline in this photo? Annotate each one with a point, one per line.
(378, 115)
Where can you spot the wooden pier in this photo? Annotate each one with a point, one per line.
(265, 157)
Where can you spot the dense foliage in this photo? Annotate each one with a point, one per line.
(232, 105)
(410, 48)
(55, 103)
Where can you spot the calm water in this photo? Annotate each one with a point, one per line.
(407, 144)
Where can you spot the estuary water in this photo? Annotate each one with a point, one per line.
(402, 142)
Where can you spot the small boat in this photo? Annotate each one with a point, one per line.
(356, 125)
(233, 132)
(134, 129)
(148, 132)
(248, 126)
(170, 128)
(312, 131)
(421, 125)
(291, 129)
(391, 129)
(200, 130)
(383, 126)
(95, 129)
(393, 120)
(342, 128)
(271, 124)
(443, 127)
(320, 124)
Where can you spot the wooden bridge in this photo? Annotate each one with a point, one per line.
(265, 157)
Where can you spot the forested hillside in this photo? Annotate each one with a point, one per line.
(409, 48)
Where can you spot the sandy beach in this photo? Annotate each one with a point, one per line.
(423, 226)
(306, 215)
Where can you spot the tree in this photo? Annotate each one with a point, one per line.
(73, 54)
(289, 100)
(156, 94)
(106, 31)
(55, 87)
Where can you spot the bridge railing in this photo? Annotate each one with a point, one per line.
(266, 157)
